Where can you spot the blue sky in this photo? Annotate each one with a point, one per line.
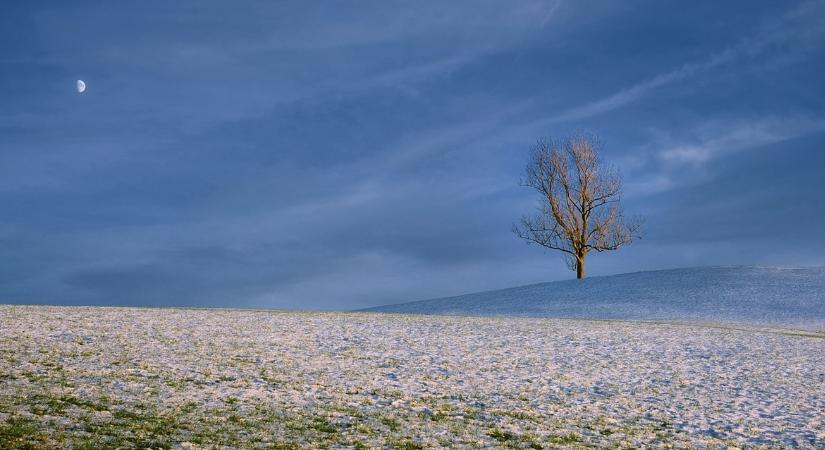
(350, 154)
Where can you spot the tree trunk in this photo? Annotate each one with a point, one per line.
(580, 267)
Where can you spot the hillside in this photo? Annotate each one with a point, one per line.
(755, 295)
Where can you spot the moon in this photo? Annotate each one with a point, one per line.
(81, 86)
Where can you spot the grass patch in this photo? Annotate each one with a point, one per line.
(322, 424)
(391, 423)
(569, 438)
(21, 433)
(501, 435)
(85, 404)
(405, 444)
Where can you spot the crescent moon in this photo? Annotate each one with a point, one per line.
(81, 86)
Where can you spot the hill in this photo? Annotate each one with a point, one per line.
(753, 295)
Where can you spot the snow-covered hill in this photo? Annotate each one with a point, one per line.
(755, 295)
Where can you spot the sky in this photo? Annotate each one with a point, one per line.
(351, 154)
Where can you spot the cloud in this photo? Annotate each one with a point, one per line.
(717, 138)
(674, 161)
(686, 154)
(803, 24)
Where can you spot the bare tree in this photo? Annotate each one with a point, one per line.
(580, 208)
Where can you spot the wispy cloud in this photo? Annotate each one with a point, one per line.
(675, 161)
(804, 23)
(716, 139)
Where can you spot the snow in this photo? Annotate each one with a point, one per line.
(81, 377)
(793, 298)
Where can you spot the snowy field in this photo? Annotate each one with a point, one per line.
(106, 377)
(781, 297)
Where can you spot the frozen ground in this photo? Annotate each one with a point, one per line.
(107, 377)
(750, 295)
